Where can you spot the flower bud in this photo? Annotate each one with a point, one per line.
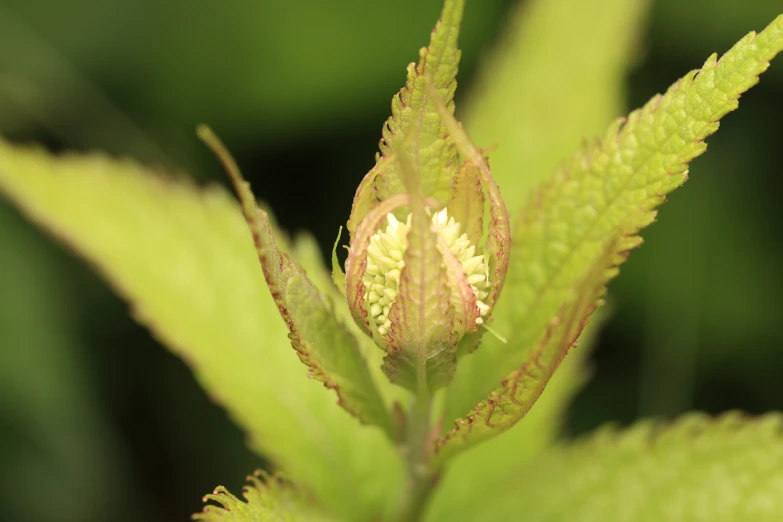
(453, 277)
(385, 262)
(423, 268)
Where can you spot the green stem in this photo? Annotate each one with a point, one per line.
(417, 451)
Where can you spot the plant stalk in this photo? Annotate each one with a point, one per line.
(418, 450)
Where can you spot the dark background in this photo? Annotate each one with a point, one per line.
(98, 422)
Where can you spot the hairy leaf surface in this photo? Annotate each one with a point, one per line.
(727, 469)
(325, 345)
(551, 80)
(534, 125)
(422, 337)
(266, 500)
(613, 184)
(308, 254)
(505, 406)
(184, 259)
(433, 156)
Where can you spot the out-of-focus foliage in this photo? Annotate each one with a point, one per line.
(135, 77)
(266, 499)
(552, 81)
(259, 71)
(722, 470)
(183, 259)
(51, 423)
(548, 41)
(611, 188)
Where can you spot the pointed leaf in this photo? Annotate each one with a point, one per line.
(184, 259)
(322, 343)
(422, 337)
(434, 157)
(308, 254)
(551, 80)
(266, 499)
(506, 405)
(727, 469)
(490, 463)
(531, 126)
(615, 182)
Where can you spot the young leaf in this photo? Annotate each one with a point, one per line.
(551, 80)
(266, 499)
(488, 464)
(434, 157)
(535, 124)
(613, 184)
(726, 469)
(308, 254)
(422, 337)
(505, 406)
(184, 259)
(322, 343)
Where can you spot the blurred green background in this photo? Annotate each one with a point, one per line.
(98, 422)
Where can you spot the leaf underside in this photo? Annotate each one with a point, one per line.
(613, 184)
(725, 469)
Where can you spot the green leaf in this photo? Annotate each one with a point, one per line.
(550, 81)
(612, 184)
(498, 245)
(54, 422)
(308, 254)
(727, 469)
(322, 343)
(434, 157)
(467, 201)
(506, 405)
(184, 259)
(267, 500)
(537, 123)
(423, 339)
(488, 464)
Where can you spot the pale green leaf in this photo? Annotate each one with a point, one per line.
(506, 405)
(728, 469)
(498, 245)
(267, 499)
(536, 123)
(488, 464)
(309, 255)
(612, 184)
(467, 201)
(434, 157)
(422, 340)
(322, 343)
(551, 81)
(184, 259)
